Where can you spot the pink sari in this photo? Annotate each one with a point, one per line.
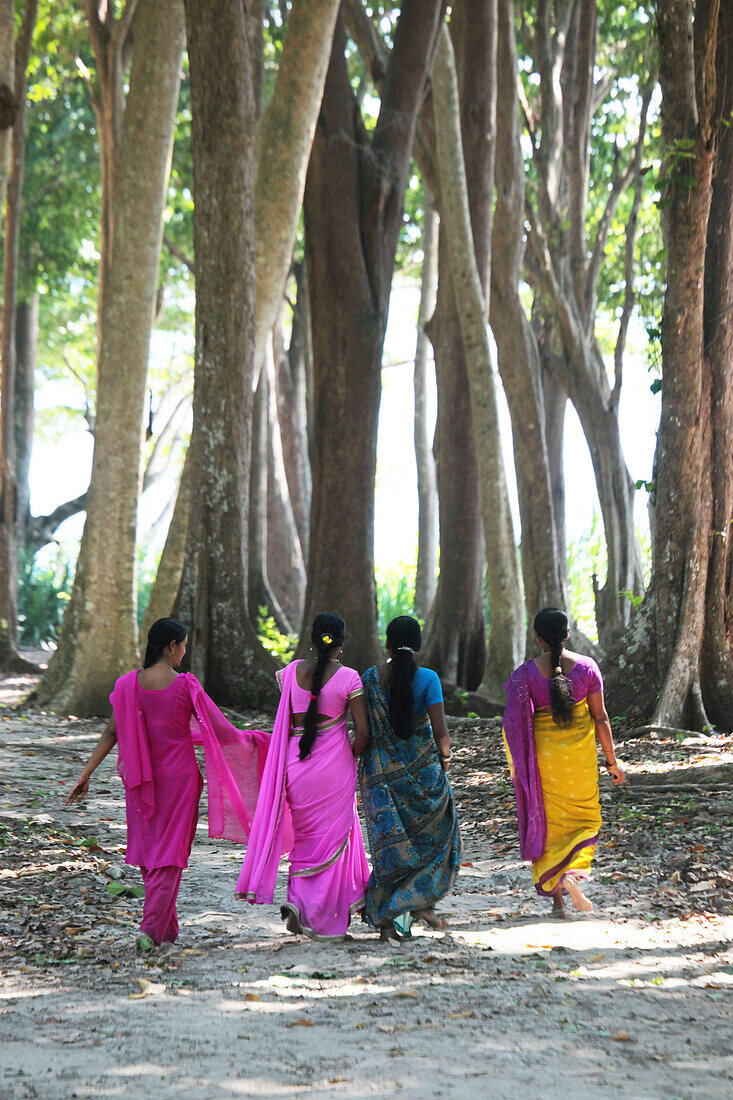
(159, 770)
(308, 808)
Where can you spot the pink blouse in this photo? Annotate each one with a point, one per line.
(345, 684)
(585, 678)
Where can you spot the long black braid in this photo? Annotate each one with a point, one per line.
(404, 639)
(551, 624)
(327, 635)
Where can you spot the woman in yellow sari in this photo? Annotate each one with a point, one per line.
(554, 713)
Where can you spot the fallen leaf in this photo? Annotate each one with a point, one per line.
(621, 1037)
(597, 958)
(252, 997)
(466, 864)
(461, 1015)
(411, 993)
(301, 1023)
(147, 989)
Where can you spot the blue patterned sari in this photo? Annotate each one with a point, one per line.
(411, 819)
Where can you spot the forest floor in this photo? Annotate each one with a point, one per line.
(631, 1001)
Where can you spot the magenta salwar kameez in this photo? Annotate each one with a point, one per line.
(156, 733)
(308, 808)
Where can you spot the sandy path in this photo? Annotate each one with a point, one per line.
(633, 1001)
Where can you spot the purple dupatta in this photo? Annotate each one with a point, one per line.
(272, 827)
(519, 733)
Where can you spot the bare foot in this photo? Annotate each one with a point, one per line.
(388, 934)
(558, 906)
(578, 898)
(430, 918)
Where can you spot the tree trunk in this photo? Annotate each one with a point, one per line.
(293, 372)
(284, 139)
(91, 655)
(682, 645)
(455, 635)
(285, 562)
(717, 653)
(427, 488)
(26, 353)
(170, 567)
(9, 505)
(507, 618)
(260, 594)
(213, 592)
(7, 91)
(543, 570)
(353, 212)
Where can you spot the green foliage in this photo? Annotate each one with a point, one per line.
(586, 556)
(43, 592)
(395, 594)
(281, 646)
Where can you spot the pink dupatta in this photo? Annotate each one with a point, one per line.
(235, 759)
(272, 827)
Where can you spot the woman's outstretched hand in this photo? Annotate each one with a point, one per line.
(79, 790)
(618, 775)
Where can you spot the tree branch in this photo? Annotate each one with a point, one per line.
(620, 180)
(631, 231)
(179, 254)
(369, 41)
(123, 24)
(41, 529)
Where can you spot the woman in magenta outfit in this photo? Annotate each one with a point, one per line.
(307, 801)
(157, 717)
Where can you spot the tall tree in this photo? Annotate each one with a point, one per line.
(543, 571)
(567, 249)
(427, 489)
(680, 641)
(7, 91)
(507, 609)
(9, 510)
(353, 212)
(90, 654)
(213, 594)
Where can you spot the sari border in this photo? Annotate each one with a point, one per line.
(321, 727)
(539, 885)
(322, 866)
(290, 909)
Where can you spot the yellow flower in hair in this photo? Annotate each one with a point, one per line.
(327, 639)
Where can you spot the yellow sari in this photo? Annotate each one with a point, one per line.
(568, 766)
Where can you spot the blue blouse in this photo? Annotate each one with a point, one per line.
(426, 690)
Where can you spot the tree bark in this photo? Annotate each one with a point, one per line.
(26, 355)
(91, 655)
(284, 139)
(293, 374)
(170, 567)
(9, 504)
(213, 593)
(353, 211)
(454, 644)
(507, 615)
(260, 593)
(285, 560)
(542, 567)
(427, 488)
(7, 91)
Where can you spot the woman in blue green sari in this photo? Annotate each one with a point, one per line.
(408, 803)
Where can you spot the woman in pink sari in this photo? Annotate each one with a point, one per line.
(307, 800)
(157, 717)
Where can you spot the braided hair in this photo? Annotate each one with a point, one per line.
(404, 639)
(160, 635)
(551, 625)
(327, 635)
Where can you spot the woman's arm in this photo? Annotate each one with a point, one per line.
(436, 714)
(597, 708)
(103, 746)
(357, 706)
